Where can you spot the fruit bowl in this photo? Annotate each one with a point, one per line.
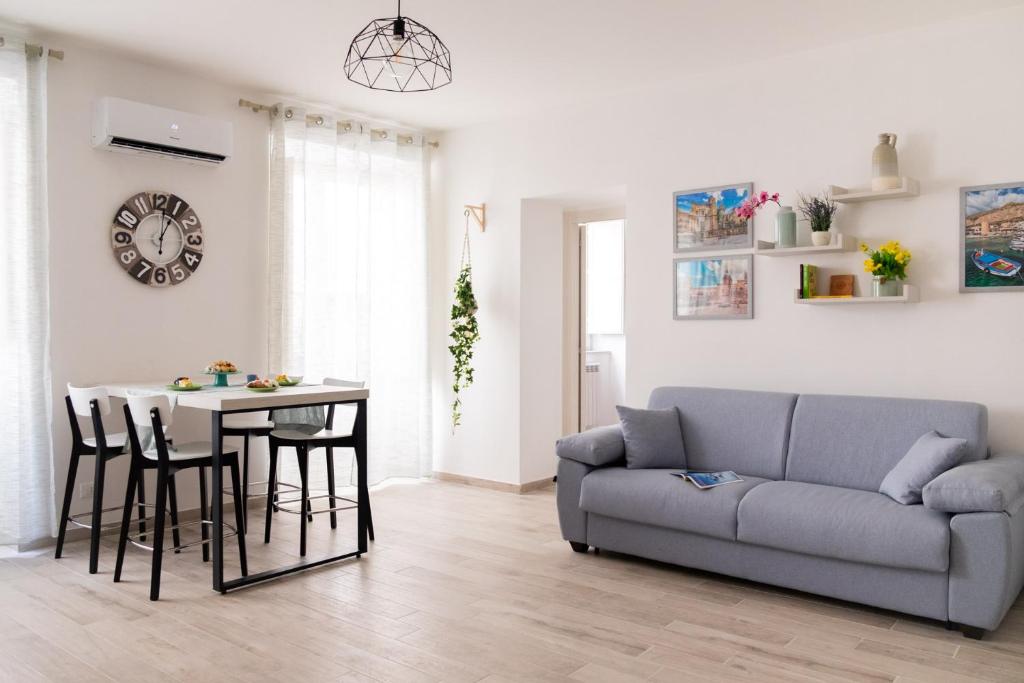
(288, 380)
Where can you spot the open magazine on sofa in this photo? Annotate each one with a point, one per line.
(708, 480)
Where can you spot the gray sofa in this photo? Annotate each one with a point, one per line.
(808, 514)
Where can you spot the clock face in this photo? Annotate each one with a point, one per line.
(157, 238)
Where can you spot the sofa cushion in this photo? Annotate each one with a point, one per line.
(846, 524)
(853, 441)
(727, 429)
(930, 456)
(658, 498)
(653, 438)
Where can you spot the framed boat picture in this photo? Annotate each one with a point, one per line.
(713, 287)
(992, 238)
(706, 219)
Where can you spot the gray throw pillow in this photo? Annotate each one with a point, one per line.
(930, 456)
(653, 438)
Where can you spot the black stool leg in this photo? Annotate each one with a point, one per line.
(158, 533)
(97, 512)
(271, 491)
(203, 531)
(301, 452)
(126, 518)
(330, 486)
(65, 512)
(239, 515)
(172, 493)
(142, 504)
(369, 518)
(245, 482)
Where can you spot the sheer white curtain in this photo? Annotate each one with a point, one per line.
(26, 455)
(348, 272)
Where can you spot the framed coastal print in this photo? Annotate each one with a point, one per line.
(706, 219)
(992, 238)
(713, 287)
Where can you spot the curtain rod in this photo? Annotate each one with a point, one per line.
(272, 110)
(37, 50)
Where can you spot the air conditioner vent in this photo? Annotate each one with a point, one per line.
(157, 148)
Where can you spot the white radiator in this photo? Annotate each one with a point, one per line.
(591, 394)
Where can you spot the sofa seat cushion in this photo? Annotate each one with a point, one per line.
(658, 498)
(845, 524)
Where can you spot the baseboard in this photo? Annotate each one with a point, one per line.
(495, 485)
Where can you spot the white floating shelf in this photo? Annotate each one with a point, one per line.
(908, 188)
(910, 295)
(840, 242)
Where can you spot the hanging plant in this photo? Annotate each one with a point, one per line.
(465, 331)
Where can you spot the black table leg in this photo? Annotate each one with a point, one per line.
(217, 503)
(359, 436)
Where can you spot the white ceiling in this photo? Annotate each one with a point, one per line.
(509, 58)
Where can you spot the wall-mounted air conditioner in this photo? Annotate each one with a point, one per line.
(135, 128)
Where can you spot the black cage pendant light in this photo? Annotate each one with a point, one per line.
(398, 54)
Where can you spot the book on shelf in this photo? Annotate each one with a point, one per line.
(708, 480)
(808, 280)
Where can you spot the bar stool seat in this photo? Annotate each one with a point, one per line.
(114, 441)
(117, 440)
(193, 450)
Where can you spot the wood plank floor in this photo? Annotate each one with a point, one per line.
(464, 584)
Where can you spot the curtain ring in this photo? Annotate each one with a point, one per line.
(288, 113)
(319, 120)
(348, 127)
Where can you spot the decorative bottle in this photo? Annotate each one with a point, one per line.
(885, 170)
(785, 227)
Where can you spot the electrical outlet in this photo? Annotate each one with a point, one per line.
(85, 490)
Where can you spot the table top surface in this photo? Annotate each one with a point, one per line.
(237, 397)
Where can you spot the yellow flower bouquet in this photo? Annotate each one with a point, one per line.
(888, 262)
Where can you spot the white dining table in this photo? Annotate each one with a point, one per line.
(220, 401)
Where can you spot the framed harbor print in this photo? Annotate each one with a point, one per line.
(713, 287)
(706, 219)
(992, 238)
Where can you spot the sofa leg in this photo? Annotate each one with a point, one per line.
(950, 626)
(972, 632)
(579, 547)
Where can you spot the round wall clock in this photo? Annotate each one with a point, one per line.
(157, 238)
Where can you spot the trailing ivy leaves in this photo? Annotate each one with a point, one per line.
(465, 333)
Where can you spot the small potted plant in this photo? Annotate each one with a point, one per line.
(819, 211)
(887, 265)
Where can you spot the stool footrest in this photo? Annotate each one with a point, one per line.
(133, 538)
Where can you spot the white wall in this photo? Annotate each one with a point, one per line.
(796, 123)
(105, 326)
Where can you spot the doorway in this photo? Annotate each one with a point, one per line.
(601, 371)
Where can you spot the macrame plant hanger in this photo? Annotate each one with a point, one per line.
(466, 256)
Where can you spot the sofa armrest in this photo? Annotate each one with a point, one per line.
(993, 485)
(595, 447)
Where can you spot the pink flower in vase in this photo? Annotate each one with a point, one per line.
(750, 206)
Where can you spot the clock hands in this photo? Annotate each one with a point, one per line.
(166, 224)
